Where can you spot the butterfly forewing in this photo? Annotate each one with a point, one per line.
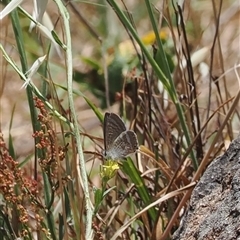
(113, 127)
(125, 144)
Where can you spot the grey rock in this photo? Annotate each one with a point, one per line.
(214, 209)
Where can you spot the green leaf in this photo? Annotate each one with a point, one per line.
(98, 197)
(130, 169)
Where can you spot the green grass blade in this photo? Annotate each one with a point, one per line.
(130, 169)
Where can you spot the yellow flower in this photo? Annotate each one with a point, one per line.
(108, 170)
(127, 50)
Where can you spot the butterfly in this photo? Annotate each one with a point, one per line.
(118, 141)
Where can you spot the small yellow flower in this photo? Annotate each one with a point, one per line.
(108, 170)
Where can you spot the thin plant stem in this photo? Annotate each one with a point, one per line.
(88, 206)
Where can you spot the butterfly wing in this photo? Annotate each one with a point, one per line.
(113, 126)
(125, 144)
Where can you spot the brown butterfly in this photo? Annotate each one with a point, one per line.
(118, 141)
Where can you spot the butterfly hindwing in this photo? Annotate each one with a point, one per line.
(125, 144)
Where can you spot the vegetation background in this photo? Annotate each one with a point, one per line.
(170, 69)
